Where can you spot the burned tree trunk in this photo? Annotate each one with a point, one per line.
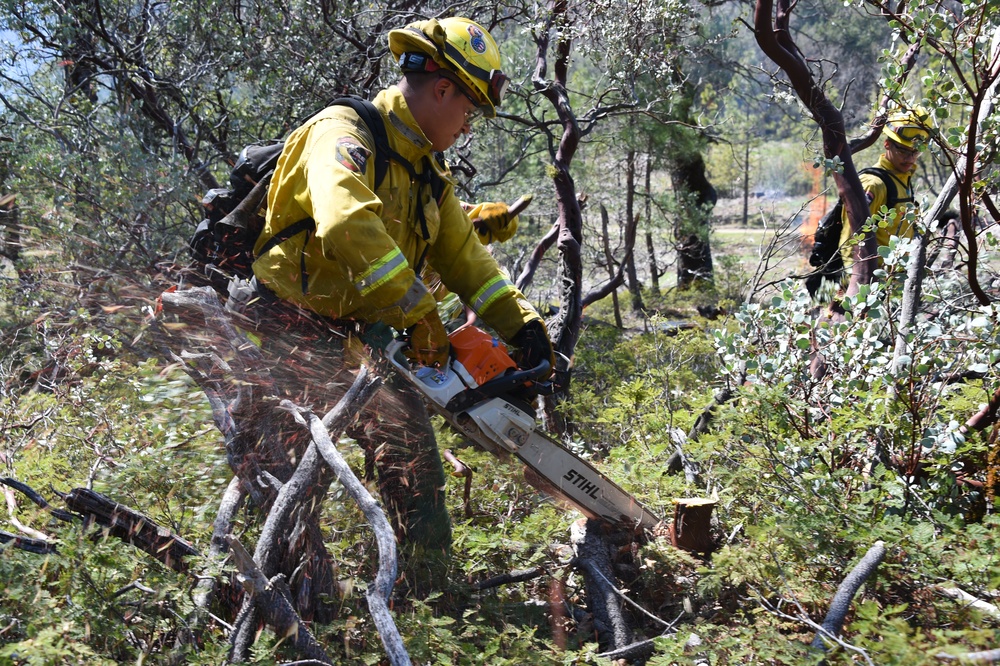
(696, 197)
(594, 559)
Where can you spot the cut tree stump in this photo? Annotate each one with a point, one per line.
(691, 529)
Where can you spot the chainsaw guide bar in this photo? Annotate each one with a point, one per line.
(473, 395)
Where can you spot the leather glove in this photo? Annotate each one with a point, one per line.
(429, 342)
(493, 222)
(534, 345)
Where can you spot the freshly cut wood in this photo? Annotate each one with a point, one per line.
(691, 530)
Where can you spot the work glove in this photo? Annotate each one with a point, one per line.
(534, 346)
(492, 221)
(429, 342)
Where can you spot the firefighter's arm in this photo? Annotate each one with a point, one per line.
(340, 173)
(467, 269)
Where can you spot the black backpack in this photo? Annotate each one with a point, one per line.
(234, 215)
(825, 255)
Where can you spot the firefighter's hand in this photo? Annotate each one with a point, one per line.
(429, 342)
(533, 343)
(493, 222)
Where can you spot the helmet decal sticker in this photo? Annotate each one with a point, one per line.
(477, 42)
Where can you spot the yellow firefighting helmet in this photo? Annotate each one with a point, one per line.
(910, 129)
(459, 46)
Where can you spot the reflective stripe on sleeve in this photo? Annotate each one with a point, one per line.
(383, 270)
(490, 292)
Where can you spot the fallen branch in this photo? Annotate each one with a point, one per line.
(37, 546)
(841, 603)
(516, 576)
(274, 606)
(380, 590)
(971, 601)
(37, 498)
(984, 657)
(12, 516)
(131, 527)
(640, 650)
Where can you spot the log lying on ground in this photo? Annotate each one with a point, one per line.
(841, 603)
(594, 560)
(118, 520)
(131, 527)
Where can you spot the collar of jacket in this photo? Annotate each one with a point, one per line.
(406, 137)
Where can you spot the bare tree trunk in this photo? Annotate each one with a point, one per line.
(633, 279)
(564, 329)
(610, 259)
(566, 326)
(746, 182)
(654, 269)
(592, 552)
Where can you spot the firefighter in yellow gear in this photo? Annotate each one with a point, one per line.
(906, 135)
(370, 244)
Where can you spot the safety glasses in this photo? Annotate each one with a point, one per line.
(477, 111)
(917, 148)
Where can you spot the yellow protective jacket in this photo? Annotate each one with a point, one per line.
(362, 260)
(877, 194)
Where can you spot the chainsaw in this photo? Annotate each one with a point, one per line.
(484, 396)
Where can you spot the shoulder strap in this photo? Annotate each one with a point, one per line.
(383, 151)
(373, 119)
(891, 191)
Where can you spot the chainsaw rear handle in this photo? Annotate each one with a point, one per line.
(500, 386)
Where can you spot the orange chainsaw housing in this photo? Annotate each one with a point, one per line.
(483, 356)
